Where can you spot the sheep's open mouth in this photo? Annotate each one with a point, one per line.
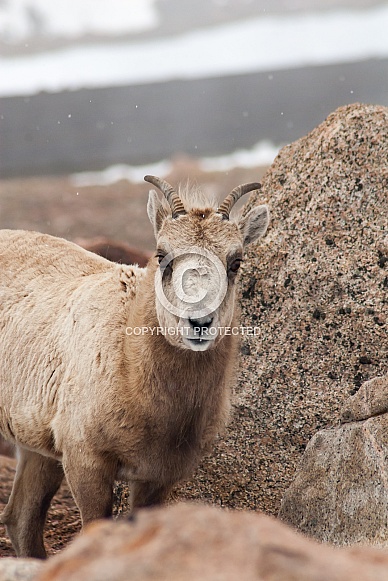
(197, 343)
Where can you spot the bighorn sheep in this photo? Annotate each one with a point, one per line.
(109, 370)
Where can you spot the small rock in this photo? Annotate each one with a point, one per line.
(340, 492)
(371, 400)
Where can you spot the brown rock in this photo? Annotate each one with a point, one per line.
(188, 542)
(340, 492)
(115, 251)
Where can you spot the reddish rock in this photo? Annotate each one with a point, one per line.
(193, 542)
(370, 401)
(115, 251)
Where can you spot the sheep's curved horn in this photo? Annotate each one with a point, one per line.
(170, 194)
(235, 195)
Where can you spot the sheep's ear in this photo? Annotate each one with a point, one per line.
(254, 224)
(156, 211)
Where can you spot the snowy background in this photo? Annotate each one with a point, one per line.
(166, 56)
(261, 43)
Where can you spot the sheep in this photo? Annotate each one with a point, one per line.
(114, 371)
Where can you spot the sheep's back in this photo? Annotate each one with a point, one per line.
(63, 314)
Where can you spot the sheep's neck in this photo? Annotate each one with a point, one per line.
(170, 370)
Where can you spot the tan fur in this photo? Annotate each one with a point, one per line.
(81, 397)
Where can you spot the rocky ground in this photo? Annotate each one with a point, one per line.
(315, 288)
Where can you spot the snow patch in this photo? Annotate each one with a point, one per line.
(118, 172)
(21, 20)
(261, 44)
(262, 154)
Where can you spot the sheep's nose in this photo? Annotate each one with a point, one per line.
(201, 322)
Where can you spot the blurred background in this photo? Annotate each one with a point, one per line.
(102, 91)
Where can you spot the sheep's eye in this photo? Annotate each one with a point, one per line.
(235, 265)
(160, 255)
(166, 268)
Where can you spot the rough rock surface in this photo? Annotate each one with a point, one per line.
(197, 542)
(316, 291)
(19, 569)
(370, 401)
(340, 492)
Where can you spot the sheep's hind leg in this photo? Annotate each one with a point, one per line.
(36, 481)
(148, 494)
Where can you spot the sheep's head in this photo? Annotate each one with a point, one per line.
(198, 255)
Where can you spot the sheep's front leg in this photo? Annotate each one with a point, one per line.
(90, 479)
(36, 481)
(148, 494)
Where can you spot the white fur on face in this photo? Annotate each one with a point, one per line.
(190, 287)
